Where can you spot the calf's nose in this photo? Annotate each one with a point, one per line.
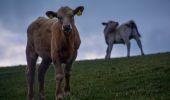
(67, 28)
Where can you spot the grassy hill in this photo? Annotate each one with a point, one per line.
(135, 78)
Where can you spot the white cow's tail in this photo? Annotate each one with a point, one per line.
(134, 26)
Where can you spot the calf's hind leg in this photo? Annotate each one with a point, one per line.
(30, 72)
(41, 75)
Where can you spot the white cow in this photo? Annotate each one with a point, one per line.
(115, 34)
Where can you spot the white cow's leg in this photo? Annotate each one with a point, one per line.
(127, 42)
(140, 45)
(128, 48)
(108, 51)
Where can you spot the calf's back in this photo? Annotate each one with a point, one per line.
(39, 36)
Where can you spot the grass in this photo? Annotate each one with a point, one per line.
(135, 78)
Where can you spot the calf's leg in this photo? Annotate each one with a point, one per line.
(67, 72)
(30, 72)
(59, 78)
(41, 75)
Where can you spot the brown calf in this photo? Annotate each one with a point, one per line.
(54, 40)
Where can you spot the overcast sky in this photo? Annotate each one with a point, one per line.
(152, 18)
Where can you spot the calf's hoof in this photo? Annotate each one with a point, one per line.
(41, 97)
(67, 93)
(59, 97)
(31, 98)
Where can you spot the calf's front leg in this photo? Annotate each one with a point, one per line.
(67, 72)
(59, 78)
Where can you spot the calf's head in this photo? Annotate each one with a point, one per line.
(66, 17)
(110, 25)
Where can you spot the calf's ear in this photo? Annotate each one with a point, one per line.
(51, 14)
(104, 23)
(78, 11)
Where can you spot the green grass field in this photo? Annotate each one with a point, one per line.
(135, 78)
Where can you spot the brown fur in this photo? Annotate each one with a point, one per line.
(47, 40)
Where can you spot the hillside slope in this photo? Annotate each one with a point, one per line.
(135, 78)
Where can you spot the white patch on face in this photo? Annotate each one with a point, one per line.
(71, 27)
(66, 22)
(62, 28)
